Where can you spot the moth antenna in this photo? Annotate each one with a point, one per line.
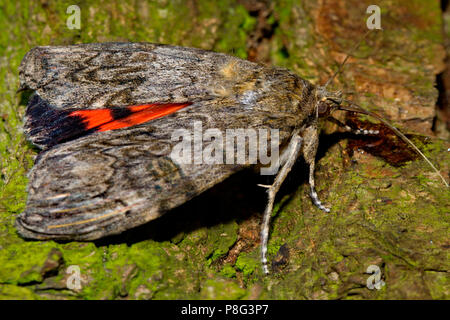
(356, 108)
(346, 58)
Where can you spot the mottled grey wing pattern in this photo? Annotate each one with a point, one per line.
(108, 182)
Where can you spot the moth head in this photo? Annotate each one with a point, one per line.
(327, 102)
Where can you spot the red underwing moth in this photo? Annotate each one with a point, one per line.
(105, 113)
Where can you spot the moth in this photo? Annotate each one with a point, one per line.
(103, 114)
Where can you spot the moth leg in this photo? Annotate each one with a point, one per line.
(350, 129)
(311, 137)
(293, 150)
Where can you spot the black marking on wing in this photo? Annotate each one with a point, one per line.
(119, 113)
(47, 126)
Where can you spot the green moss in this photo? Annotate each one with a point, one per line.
(23, 263)
(228, 271)
(441, 284)
(221, 290)
(11, 292)
(220, 239)
(248, 264)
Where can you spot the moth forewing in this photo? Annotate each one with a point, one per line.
(91, 182)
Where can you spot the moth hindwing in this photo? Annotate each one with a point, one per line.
(105, 114)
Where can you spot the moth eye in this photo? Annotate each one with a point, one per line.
(322, 108)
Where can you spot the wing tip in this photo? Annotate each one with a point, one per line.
(32, 230)
(25, 230)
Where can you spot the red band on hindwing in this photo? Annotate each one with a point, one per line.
(116, 118)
